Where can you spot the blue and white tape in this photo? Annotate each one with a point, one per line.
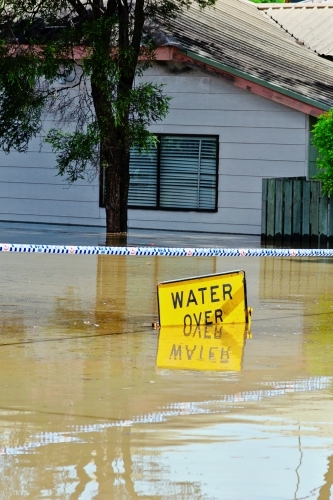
(167, 252)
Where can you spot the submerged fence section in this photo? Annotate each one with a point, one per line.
(294, 212)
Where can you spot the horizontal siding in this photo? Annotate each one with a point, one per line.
(235, 119)
(54, 208)
(47, 219)
(289, 152)
(258, 138)
(38, 175)
(262, 168)
(49, 192)
(181, 84)
(233, 102)
(244, 135)
(240, 184)
(219, 228)
(30, 159)
(250, 135)
(228, 199)
(233, 216)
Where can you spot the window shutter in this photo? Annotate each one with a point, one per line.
(143, 178)
(188, 172)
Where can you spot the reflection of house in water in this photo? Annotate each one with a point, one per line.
(126, 287)
(300, 291)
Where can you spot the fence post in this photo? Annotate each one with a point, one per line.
(314, 213)
(297, 212)
(278, 219)
(323, 220)
(264, 211)
(270, 210)
(288, 202)
(305, 214)
(330, 223)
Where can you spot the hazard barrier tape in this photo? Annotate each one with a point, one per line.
(167, 252)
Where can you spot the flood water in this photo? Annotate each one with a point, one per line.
(90, 408)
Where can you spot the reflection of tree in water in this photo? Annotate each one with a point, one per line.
(70, 313)
(114, 469)
(12, 324)
(325, 490)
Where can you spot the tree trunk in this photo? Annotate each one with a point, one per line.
(116, 188)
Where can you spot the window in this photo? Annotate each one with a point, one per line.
(179, 173)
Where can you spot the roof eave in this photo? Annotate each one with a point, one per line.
(310, 106)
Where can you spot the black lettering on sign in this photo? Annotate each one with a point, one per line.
(218, 315)
(227, 291)
(197, 320)
(176, 352)
(177, 299)
(206, 336)
(207, 318)
(187, 330)
(201, 350)
(224, 355)
(202, 290)
(218, 332)
(188, 323)
(211, 354)
(191, 298)
(197, 331)
(190, 352)
(213, 293)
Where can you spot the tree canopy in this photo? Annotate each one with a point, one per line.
(73, 64)
(323, 141)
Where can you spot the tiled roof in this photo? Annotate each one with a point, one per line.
(310, 23)
(236, 34)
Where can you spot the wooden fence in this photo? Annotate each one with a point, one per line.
(295, 213)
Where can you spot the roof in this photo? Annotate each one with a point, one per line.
(236, 37)
(310, 23)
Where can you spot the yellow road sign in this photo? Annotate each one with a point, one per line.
(214, 348)
(203, 300)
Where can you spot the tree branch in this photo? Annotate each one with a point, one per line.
(79, 8)
(111, 8)
(139, 19)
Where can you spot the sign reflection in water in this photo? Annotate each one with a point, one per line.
(203, 348)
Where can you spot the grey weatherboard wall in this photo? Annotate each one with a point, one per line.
(257, 138)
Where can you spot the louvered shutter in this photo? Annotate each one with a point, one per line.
(188, 172)
(143, 178)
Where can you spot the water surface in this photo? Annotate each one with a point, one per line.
(87, 411)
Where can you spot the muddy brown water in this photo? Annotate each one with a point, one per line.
(87, 412)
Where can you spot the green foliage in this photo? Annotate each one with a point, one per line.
(74, 151)
(323, 141)
(79, 63)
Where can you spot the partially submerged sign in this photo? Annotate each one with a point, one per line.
(214, 348)
(203, 300)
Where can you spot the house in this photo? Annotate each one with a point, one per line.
(311, 24)
(243, 94)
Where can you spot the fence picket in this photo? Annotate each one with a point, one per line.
(270, 210)
(288, 210)
(264, 210)
(278, 219)
(314, 213)
(305, 213)
(297, 211)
